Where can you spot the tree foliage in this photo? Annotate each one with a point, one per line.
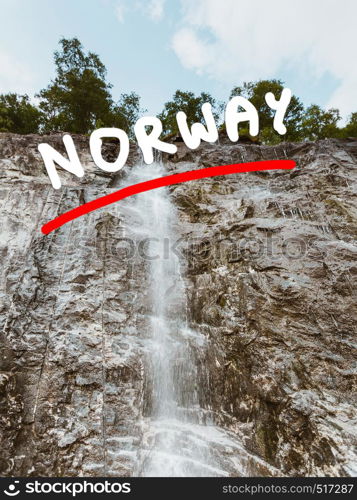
(18, 115)
(190, 104)
(79, 95)
(350, 130)
(125, 113)
(319, 124)
(255, 93)
(79, 100)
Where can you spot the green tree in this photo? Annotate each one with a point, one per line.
(350, 130)
(320, 124)
(126, 112)
(255, 93)
(189, 104)
(18, 115)
(79, 95)
(5, 123)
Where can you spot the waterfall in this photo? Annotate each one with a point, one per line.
(179, 437)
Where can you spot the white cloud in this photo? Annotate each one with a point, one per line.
(191, 50)
(235, 40)
(15, 76)
(152, 8)
(155, 9)
(120, 10)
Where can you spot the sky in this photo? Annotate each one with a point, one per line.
(154, 47)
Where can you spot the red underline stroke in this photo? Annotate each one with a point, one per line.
(168, 180)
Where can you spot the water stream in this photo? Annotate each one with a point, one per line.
(179, 437)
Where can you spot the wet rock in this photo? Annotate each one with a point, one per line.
(278, 280)
(269, 264)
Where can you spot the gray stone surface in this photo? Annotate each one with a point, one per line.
(269, 263)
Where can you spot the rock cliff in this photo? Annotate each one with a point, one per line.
(268, 261)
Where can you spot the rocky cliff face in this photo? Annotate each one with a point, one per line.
(268, 261)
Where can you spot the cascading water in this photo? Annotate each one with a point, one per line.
(172, 392)
(179, 438)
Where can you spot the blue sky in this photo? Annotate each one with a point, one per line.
(155, 46)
